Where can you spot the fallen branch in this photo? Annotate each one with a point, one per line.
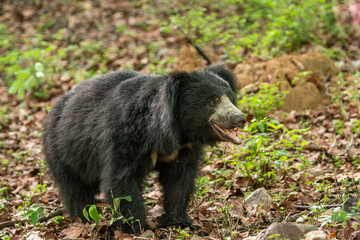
(303, 207)
(192, 210)
(313, 147)
(198, 49)
(57, 212)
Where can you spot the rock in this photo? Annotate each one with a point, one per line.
(300, 220)
(259, 196)
(281, 231)
(306, 227)
(196, 238)
(148, 234)
(315, 235)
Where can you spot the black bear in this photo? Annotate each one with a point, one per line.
(109, 132)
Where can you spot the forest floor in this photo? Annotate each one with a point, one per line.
(309, 162)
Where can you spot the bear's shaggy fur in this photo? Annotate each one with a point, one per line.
(109, 132)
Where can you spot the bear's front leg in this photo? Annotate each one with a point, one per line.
(178, 179)
(122, 184)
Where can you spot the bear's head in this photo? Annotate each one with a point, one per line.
(206, 106)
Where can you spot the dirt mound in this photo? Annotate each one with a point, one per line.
(188, 59)
(302, 75)
(304, 96)
(284, 69)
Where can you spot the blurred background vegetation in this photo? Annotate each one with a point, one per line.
(42, 42)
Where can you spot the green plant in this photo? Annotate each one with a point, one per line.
(3, 191)
(5, 236)
(269, 151)
(34, 212)
(338, 216)
(355, 126)
(266, 28)
(260, 104)
(91, 212)
(56, 220)
(338, 126)
(339, 96)
(183, 233)
(5, 163)
(4, 111)
(201, 186)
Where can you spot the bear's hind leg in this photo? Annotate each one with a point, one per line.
(76, 195)
(128, 185)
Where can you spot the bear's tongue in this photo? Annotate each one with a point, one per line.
(228, 134)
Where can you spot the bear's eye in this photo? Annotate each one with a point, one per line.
(212, 101)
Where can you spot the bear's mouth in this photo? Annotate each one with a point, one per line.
(227, 134)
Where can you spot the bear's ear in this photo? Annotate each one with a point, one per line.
(223, 72)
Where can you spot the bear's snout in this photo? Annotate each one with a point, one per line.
(227, 120)
(238, 119)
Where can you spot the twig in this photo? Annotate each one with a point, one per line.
(198, 49)
(313, 147)
(58, 212)
(347, 150)
(25, 169)
(302, 207)
(192, 210)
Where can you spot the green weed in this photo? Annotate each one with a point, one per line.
(266, 28)
(90, 212)
(268, 99)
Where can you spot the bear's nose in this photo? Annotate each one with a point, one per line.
(238, 119)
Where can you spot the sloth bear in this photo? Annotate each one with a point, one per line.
(109, 132)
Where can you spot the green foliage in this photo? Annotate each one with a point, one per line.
(3, 191)
(267, 28)
(34, 213)
(30, 69)
(4, 236)
(90, 212)
(337, 217)
(338, 126)
(93, 213)
(27, 70)
(260, 104)
(56, 220)
(345, 91)
(262, 151)
(269, 152)
(183, 234)
(355, 126)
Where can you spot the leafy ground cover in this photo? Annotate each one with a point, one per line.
(308, 161)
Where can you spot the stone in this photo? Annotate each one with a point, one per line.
(306, 227)
(281, 231)
(196, 238)
(259, 196)
(148, 234)
(315, 235)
